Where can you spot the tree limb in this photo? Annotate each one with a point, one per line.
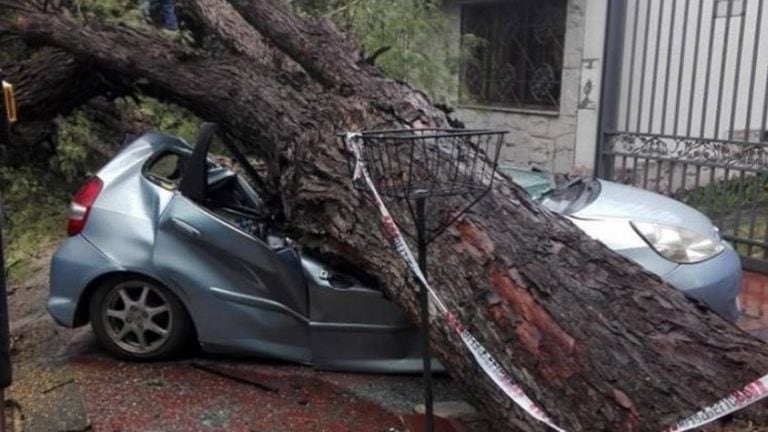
(228, 26)
(52, 83)
(302, 39)
(598, 342)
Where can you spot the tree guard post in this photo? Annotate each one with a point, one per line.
(7, 115)
(420, 219)
(412, 166)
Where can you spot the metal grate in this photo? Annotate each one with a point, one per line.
(424, 163)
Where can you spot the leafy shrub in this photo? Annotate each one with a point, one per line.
(35, 206)
(74, 138)
(168, 118)
(111, 10)
(417, 32)
(37, 190)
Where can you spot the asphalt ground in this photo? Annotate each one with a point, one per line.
(64, 382)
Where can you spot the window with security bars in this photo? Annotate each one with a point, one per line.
(519, 60)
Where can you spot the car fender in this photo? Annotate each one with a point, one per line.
(78, 268)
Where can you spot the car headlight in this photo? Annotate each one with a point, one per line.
(679, 244)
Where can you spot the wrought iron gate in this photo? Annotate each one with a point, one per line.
(685, 106)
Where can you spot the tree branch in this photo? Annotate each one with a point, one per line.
(303, 39)
(228, 26)
(598, 342)
(52, 82)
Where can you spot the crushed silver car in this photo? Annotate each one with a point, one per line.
(167, 245)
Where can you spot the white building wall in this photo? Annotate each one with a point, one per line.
(541, 139)
(590, 89)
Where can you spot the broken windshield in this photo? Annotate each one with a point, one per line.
(570, 197)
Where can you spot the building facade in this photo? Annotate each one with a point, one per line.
(535, 72)
(666, 95)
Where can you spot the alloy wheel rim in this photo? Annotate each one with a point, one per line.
(137, 317)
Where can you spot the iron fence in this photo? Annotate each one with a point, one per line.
(687, 110)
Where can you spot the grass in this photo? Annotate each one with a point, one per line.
(35, 204)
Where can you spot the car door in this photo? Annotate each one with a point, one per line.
(356, 327)
(239, 292)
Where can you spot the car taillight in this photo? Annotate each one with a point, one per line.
(81, 204)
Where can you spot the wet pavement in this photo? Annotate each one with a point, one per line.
(64, 382)
(205, 394)
(177, 397)
(264, 396)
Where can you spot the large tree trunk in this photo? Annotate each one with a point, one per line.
(52, 83)
(599, 343)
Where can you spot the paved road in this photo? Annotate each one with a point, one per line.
(64, 382)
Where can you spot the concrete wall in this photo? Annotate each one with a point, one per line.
(590, 90)
(547, 139)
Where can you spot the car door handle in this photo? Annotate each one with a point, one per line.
(185, 228)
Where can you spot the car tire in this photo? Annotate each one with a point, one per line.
(138, 319)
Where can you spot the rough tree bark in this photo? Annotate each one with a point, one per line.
(599, 343)
(52, 83)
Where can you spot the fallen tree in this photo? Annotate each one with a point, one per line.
(598, 343)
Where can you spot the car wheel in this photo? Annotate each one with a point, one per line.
(138, 319)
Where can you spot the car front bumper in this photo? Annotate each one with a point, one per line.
(716, 282)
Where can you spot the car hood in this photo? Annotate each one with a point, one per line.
(617, 201)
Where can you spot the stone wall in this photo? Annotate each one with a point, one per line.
(545, 140)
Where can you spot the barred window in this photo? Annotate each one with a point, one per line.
(518, 62)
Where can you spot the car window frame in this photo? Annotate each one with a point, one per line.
(164, 183)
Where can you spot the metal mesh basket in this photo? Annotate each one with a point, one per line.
(423, 163)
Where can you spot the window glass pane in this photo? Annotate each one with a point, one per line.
(519, 61)
(166, 169)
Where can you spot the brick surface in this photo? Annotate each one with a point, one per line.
(754, 304)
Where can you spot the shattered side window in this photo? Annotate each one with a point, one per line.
(165, 169)
(224, 157)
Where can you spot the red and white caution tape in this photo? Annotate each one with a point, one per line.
(490, 366)
(736, 401)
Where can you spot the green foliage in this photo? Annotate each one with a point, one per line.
(111, 10)
(35, 193)
(421, 52)
(727, 196)
(35, 207)
(418, 32)
(732, 204)
(757, 231)
(127, 12)
(75, 138)
(167, 118)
